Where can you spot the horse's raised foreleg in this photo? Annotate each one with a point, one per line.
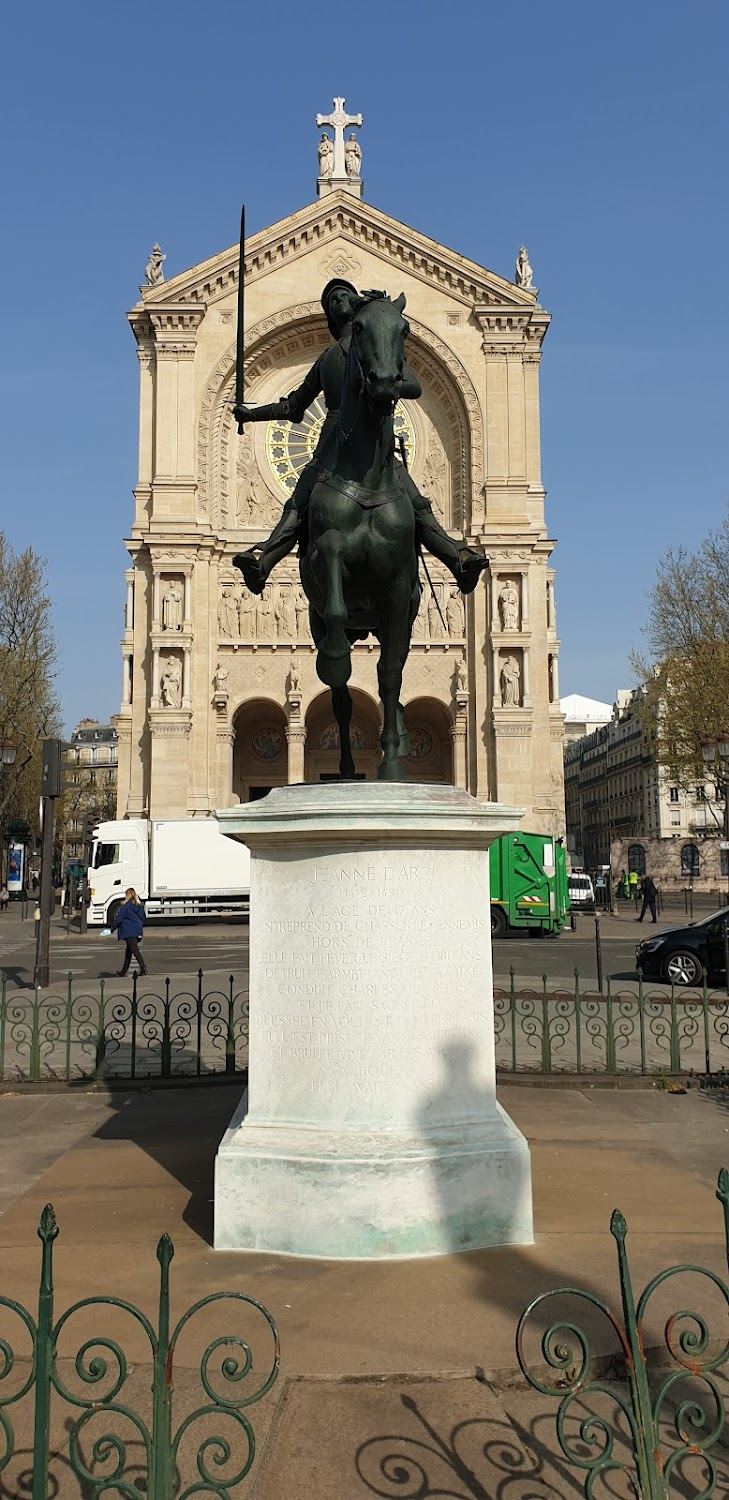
(334, 658)
(394, 643)
(342, 705)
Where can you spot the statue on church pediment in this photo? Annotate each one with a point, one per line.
(325, 151)
(153, 273)
(352, 156)
(524, 273)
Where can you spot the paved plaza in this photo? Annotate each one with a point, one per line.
(377, 1359)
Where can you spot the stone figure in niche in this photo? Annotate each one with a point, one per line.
(153, 272)
(171, 682)
(265, 619)
(228, 613)
(352, 156)
(461, 675)
(172, 607)
(294, 676)
(246, 605)
(509, 606)
(301, 605)
(510, 683)
(435, 622)
(524, 272)
(325, 151)
(455, 615)
(285, 614)
(220, 680)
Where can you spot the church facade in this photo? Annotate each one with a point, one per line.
(220, 696)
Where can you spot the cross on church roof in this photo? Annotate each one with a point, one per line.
(338, 120)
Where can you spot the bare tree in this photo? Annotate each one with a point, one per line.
(29, 709)
(685, 670)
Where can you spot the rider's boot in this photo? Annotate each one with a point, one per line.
(256, 564)
(464, 563)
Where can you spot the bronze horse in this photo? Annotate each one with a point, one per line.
(360, 566)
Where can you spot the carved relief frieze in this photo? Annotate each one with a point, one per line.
(278, 616)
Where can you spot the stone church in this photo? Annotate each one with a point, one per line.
(220, 696)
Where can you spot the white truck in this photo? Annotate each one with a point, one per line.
(179, 868)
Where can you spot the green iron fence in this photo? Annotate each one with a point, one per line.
(666, 1432)
(111, 1446)
(106, 1031)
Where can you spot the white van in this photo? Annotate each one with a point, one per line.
(581, 891)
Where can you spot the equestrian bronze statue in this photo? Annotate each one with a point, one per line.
(359, 520)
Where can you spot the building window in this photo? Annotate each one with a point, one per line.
(673, 794)
(636, 859)
(690, 862)
(724, 857)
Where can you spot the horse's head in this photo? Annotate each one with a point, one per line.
(379, 331)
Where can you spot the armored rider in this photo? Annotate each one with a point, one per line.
(327, 375)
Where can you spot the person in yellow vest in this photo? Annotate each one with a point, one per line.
(633, 885)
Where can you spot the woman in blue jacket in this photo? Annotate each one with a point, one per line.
(129, 926)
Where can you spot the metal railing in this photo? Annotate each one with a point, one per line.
(574, 1029)
(102, 1031)
(112, 1443)
(662, 1432)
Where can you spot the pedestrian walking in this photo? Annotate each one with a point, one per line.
(649, 893)
(4, 897)
(129, 927)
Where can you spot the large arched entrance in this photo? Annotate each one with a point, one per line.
(321, 759)
(431, 751)
(260, 750)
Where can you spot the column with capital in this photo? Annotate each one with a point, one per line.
(339, 177)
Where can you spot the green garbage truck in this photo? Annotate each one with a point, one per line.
(528, 873)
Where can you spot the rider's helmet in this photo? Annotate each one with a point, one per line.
(333, 286)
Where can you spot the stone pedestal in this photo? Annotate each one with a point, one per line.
(370, 1127)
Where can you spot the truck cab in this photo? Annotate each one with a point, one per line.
(119, 859)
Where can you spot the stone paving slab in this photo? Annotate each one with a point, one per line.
(122, 1170)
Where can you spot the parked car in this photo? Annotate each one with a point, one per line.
(581, 892)
(681, 954)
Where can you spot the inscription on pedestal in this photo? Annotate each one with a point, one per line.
(369, 966)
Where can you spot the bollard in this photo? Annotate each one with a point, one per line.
(598, 954)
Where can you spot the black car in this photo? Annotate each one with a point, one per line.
(680, 954)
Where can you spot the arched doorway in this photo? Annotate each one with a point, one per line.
(321, 758)
(260, 750)
(431, 752)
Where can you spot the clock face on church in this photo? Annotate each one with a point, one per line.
(290, 445)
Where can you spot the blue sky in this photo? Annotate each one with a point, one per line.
(595, 134)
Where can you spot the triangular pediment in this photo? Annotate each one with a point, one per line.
(340, 219)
